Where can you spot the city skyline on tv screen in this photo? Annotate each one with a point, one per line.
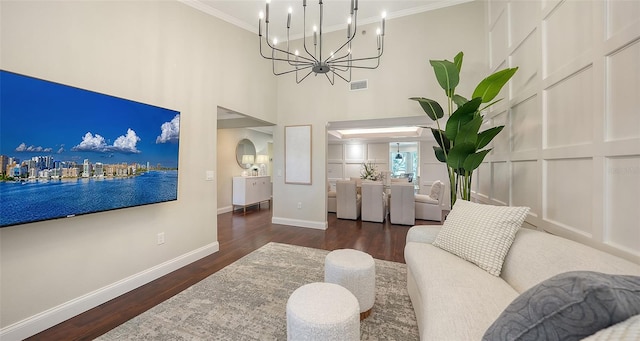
(53, 135)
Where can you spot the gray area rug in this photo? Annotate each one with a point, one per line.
(247, 301)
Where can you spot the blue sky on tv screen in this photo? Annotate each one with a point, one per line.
(40, 118)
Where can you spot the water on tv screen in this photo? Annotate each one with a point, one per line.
(66, 151)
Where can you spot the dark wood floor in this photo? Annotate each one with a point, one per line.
(238, 235)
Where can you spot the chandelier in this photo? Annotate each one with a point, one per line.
(313, 58)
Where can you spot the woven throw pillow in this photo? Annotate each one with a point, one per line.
(481, 234)
(569, 306)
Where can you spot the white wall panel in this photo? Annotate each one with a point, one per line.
(567, 32)
(498, 40)
(527, 58)
(483, 174)
(334, 152)
(378, 153)
(523, 20)
(568, 194)
(622, 204)
(525, 185)
(623, 90)
(355, 152)
(568, 111)
(621, 14)
(352, 170)
(500, 143)
(526, 125)
(501, 182)
(495, 10)
(335, 171)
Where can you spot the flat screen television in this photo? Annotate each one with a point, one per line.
(66, 151)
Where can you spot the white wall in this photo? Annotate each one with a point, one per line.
(404, 72)
(571, 146)
(228, 166)
(162, 53)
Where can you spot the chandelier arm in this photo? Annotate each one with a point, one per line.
(290, 71)
(303, 78)
(362, 67)
(304, 34)
(337, 74)
(329, 79)
(309, 60)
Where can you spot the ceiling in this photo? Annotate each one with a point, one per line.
(244, 13)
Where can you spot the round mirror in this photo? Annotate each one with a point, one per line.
(245, 154)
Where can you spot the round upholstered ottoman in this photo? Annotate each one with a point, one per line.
(356, 271)
(322, 311)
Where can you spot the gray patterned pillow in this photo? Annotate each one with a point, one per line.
(568, 306)
(481, 234)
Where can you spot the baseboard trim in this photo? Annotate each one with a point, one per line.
(222, 210)
(301, 223)
(49, 318)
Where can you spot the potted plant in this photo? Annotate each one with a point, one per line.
(369, 172)
(460, 141)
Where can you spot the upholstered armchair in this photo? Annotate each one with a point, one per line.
(348, 200)
(331, 200)
(429, 206)
(402, 204)
(374, 202)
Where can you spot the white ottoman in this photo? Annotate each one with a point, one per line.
(356, 271)
(322, 311)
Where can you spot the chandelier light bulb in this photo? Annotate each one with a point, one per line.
(349, 20)
(378, 31)
(261, 15)
(315, 28)
(290, 10)
(275, 41)
(297, 53)
(384, 15)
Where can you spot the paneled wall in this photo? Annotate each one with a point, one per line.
(344, 160)
(571, 146)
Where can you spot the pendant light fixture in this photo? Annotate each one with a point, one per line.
(398, 156)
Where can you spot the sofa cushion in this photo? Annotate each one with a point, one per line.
(569, 306)
(535, 256)
(436, 190)
(426, 199)
(453, 299)
(481, 234)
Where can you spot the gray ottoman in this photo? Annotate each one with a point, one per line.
(356, 271)
(323, 312)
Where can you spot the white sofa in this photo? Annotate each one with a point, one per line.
(456, 300)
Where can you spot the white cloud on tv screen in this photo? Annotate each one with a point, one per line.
(170, 131)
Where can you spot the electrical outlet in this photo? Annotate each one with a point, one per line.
(299, 205)
(160, 238)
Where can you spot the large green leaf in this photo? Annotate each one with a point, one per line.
(474, 160)
(430, 107)
(458, 60)
(459, 100)
(468, 132)
(447, 75)
(440, 154)
(486, 136)
(461, 116)
(489, 87)
(441, 138)
(459, 153)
